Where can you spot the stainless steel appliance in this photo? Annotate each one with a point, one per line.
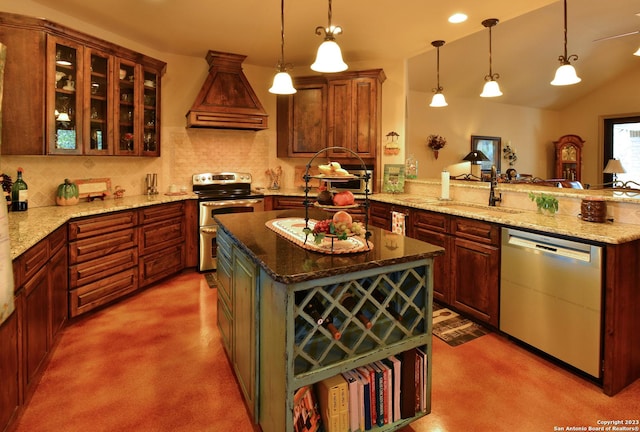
(551, 296)
(356, 185)
(220, 193)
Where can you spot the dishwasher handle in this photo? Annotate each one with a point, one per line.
(550, 248)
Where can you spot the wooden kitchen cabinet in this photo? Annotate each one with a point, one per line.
(58, 281)
(161, 242)
(341, 109)
(65, 95)
(380, 215)
(23, 102)
(9, 372)
(475, 269)
(103, 260)
(302, 119)
(432, 227)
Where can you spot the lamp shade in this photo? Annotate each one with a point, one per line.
(438, 100)
(614, 166)
(565, 75)
(475, 156)
(637, 53)
(282, 84)
(491, 89)
(329, 58)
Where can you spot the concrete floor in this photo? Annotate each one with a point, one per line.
(154, 362)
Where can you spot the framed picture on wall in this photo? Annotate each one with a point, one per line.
(490, 146)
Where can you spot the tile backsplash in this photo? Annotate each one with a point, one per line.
(184, 152)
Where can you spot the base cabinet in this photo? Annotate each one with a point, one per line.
(9, 372)
(466, 277)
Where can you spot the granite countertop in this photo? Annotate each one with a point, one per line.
(27, 228)
(288, 263)
(572, 226)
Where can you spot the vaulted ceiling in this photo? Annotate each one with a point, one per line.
(526, 42)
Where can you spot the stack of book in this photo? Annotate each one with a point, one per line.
(369, 396)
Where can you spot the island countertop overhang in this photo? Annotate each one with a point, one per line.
(287, 262)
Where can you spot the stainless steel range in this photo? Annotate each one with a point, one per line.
(220, 193)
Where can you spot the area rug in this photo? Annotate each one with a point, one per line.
(453, 328)
(211, 279)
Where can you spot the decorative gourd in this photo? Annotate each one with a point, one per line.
(67, 194)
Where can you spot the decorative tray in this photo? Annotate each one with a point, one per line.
(292, 230)
(343, 178)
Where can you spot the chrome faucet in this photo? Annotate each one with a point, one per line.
(493, 199)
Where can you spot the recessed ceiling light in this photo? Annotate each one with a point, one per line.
(457, 18)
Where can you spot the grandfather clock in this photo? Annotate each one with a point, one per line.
(569, 157)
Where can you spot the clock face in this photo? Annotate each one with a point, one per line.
(569, 153)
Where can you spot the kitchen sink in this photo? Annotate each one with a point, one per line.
(479, 208)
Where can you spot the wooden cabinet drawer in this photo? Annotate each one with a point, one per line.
(223, 275)
(156, 266)
(159, 235)
(32, 260)
(101, 246)
(57, 240)
(102, 291)
(472, 229)
(430, 220)
(225, 325)
(95, 270)
(160, 212)
(287, 202)
(96, 225)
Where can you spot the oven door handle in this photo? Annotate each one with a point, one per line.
(231, 203)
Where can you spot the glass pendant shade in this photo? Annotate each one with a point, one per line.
(438, 100)
(491, 89)
(329, 58)
(565, 75)
(637, 53)
(282, 84)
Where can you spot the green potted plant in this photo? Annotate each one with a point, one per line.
(547, 204)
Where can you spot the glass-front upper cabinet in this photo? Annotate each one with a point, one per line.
(64, 96)
(128, 134)
(98, 135)
(151, 133)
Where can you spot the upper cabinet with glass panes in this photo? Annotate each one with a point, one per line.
(89, 106)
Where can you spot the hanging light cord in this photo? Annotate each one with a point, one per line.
(328, 31)
(564, 59)
(490, 23)
(281, 66)
(438, 44)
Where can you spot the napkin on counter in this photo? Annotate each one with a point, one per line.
(398, 222)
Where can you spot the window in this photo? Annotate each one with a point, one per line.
(622, 141)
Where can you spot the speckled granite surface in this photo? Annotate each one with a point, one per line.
(288, 263)
(28, 228)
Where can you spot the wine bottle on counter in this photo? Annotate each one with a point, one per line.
(391, 306)
(327, 322)
(19, 194)
(349, 302)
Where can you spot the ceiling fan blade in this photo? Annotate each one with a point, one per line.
(617, 36)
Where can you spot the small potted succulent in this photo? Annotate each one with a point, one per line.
(435, 143)
(547, 204)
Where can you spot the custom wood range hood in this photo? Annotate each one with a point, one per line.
(226, 99)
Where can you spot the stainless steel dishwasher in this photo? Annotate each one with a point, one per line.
(551, 296)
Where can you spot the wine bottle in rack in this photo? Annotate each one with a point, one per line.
(349, 302)
(328, 319)
(310, 308)
(391, 306)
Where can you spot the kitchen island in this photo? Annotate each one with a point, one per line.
(267, 285)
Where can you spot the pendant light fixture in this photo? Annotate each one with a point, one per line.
(329, 57)
(438, 99)
(282, 83)
(491, 87)
(566, 73)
